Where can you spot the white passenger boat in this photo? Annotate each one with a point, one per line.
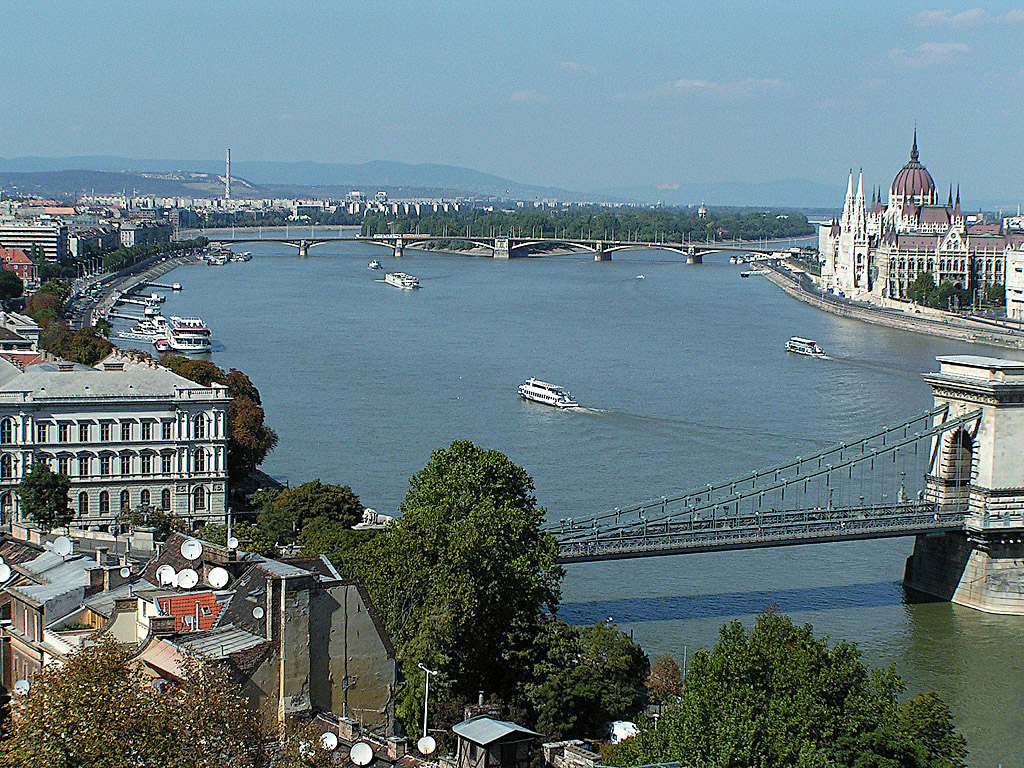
(374, 265)
(188, 335)
(401, 280)
(547, 394)
(148, 329)
(807, 347)
(176, 287)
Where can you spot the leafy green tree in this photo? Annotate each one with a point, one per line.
(583, 677)
(99, 709)
(338, 541)
(284, 518)
(665, 682)
(995, 294)
(11, 286)
(44, 496)
(923, 290)
(778, 696)
(463, 579)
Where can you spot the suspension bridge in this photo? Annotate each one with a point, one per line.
(874, 487)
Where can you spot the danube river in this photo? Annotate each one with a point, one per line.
(685, 381)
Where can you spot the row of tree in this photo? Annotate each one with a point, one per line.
(951, 296)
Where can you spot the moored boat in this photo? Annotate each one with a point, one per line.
(547, 394)
(374, 265)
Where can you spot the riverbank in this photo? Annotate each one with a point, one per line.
(131, 279)
(944, 325)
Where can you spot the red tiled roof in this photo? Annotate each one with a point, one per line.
(203, 604)
(14, 256)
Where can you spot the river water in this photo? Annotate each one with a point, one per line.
(684, 381)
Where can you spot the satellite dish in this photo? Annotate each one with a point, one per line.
(258, 613)
(361, 753)
(5, 572)
(329, 741)
(62, 546)
(165, 576)
(188, 578)
(21, 687)
(2, 561)
(217, 577)
(191, 549)
(426, 745)
(126, 572)
(233, 543)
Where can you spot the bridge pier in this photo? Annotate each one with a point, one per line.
(303, 248)
(980, 471)
(502, 248)
(693, 257)
(399, 248)
(600, 254)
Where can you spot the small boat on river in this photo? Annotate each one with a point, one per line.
(401, 280)
(806, 347)
(547, 394)
(374, 265)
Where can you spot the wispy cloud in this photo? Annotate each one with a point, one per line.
(576, 68)
(693, 85)
(928, 54)
(972, 17)
(528, 96)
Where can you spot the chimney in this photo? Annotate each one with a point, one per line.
(348, 729)
(161, 625)
(101, 555)
(397, 747)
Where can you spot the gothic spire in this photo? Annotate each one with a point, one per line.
(956, 210)
(913, 150)
(949, 202)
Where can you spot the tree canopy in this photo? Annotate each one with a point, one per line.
(11, 286)
(286, 515)
(779, 696)
(44, 496)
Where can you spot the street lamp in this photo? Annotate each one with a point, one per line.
(426, 694)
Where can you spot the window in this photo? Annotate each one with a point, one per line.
(166, 430)
(126, 500)
(165, 463)
(83, 503)
(144, 497)
(62, 465)
(104, 502)
(83, 433)
(83, 466)
(63, 433)
(104, 465)
(41, 433)
(146, 464)
(200, 432)
(126, 465)
(147, 430)
(165, 498)
(126, 430)
(105, 432)
(7, 431)
(7, 466)
(199, 461)
(199, 498)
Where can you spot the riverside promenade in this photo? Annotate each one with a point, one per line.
(935, 323)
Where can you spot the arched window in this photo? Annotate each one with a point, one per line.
(7, 431)
(960, 459)
(104, 502)
(199, 461)
(200, 426)
(165, 498)
(144, 497)
(199, 498)
(6, 466)
(83, 503)
(126, 500)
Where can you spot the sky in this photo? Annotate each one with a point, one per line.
(584, 96)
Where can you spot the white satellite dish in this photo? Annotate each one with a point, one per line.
(165, 576)
(2, 561)
(62, 546)
(191, 549)
(258, 613)
(233, 543)
(426, 745)
(361, 753)
(217, 577)
(329, 741)
(5, 572)
(21, 687)
(126, 572)
(187, 578)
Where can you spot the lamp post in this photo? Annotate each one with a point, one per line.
(426, 694)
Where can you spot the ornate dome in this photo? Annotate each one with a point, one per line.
(913, 182)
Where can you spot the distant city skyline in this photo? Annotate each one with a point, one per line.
(572, 95)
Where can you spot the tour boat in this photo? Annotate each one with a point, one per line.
(547, 394)
(374, 265)
(176, 287)
(147, 329)
(807, 347)
(401, 280)
(184, 334)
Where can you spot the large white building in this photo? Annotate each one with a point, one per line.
(129, 434)
(878, 251)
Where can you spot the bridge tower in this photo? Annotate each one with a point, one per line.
(399, 247)
(600, 254)
(981, 471)
(693, 257)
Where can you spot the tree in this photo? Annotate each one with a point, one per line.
(99, 709)
(251, 538)
(778, 695)
(321, 536)
(11, 286)
(923, 290)
(463, 579)
(44, 496)
(583, 677)
(665, 682)
(285, 516)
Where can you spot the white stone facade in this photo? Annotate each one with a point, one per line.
(129, 434)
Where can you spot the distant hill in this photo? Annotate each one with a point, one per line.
(63, 183)
(795, 193)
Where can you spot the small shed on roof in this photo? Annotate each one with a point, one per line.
(485, 742)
